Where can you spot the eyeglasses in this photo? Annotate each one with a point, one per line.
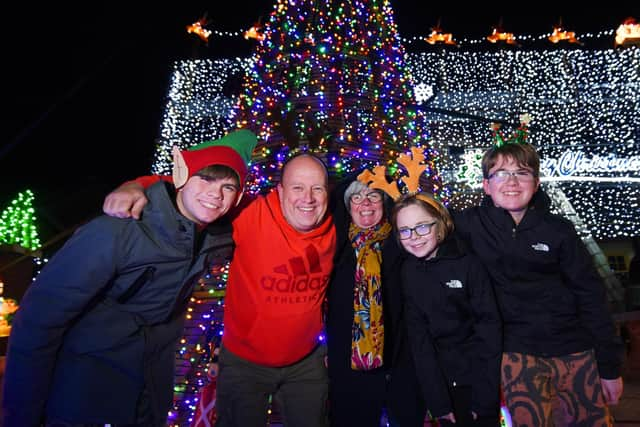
(521, 175)
(420, 229)
(373, 197)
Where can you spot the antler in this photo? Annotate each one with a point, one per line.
(379, 180)
(413, 167)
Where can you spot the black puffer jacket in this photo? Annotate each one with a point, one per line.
(551, 297)
(454, 328)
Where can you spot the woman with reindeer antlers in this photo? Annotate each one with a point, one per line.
(369, 362)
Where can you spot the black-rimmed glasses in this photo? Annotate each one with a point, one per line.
(404, 233)
(373, 197)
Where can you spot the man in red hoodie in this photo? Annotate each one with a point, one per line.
(285, 243)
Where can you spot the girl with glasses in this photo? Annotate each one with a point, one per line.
(452, 318)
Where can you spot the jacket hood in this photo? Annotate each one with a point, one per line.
(162, 206)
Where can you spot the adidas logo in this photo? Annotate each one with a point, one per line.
(297, 276)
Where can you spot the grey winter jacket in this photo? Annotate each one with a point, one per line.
(98, 328)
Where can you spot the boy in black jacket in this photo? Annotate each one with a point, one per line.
(562, 358)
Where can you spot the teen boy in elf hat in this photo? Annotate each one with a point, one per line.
(94, 339)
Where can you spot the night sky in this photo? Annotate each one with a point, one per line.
(84, 88)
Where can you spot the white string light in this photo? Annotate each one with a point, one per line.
(581, 99)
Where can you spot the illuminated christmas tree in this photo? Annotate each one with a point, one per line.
(329, 77)
(17, 223)
(201, 336)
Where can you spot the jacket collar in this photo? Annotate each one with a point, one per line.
(451, 248)
(538, 207)
(162, 213)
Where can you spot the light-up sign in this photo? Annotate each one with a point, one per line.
(578, 163)
(570, 165)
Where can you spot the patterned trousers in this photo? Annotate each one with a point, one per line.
(554, 391)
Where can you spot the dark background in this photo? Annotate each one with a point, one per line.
(84, 86)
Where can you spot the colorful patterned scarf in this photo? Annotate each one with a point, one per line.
(367, 332)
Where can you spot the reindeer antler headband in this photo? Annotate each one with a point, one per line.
(414, 167)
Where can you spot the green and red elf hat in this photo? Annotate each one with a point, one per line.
(232, 150)
(518, 137)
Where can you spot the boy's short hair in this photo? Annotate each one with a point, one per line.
(427, 202)
(523, 154)
(216, 172)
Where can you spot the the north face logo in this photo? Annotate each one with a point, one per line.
(454, 284)
(542, 247)
(296, 276)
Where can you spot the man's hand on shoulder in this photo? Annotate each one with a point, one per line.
(126, 201)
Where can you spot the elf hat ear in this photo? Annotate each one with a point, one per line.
(180, 169)
(241, 193)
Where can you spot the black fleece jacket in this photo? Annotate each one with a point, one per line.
(553, 301)
(454, 328)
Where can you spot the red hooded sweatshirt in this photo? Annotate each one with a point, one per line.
(277, 283)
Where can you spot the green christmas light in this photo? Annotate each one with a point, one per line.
(17, 223)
